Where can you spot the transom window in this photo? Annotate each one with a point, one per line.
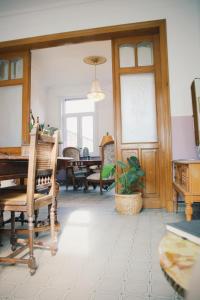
(78, 123)
(136, 55)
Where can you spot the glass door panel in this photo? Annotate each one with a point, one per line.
(4, 67)
(145, 54)
(11, 109)
(16, 68)
(138, 108)
(127, 55)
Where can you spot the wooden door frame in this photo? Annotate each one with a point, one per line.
(109, 33)
(157, 198)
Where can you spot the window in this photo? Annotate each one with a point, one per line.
(78, 123)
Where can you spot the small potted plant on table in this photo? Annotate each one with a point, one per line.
(128, 177)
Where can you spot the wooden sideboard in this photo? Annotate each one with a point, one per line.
(187, 183)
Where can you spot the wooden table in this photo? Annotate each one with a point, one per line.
(177, 258)
(187, 183)
(64, 162)
(12, 167)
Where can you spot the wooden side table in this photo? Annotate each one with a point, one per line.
(187, 183)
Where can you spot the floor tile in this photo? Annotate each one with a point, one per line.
(102, 255)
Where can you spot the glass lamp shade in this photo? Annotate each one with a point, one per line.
(96, 93)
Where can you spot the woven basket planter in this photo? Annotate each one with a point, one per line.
(128, 204)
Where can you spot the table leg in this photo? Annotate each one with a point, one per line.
(188, 209)
(13, 236)
(56, 201)
(1, 224)
(175, 200)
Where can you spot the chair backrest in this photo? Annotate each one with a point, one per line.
(72, 152)
(108, 153)
(43, 152)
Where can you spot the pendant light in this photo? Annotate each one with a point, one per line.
(96, 93)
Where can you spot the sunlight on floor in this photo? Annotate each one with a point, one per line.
(75, 236)
(79, 217)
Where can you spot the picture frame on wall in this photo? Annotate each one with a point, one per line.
(195, 90)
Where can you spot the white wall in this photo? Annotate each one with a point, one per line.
(38, 94)
(32, 18)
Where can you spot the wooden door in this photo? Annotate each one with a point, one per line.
(142, 120)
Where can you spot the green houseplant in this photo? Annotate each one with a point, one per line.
(128, 177)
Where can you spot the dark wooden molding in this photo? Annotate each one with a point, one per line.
(79, 36)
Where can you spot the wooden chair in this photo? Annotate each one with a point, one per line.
(72, 152)
(108, 156)
(21, 185)
(75, 173)
(41, 192)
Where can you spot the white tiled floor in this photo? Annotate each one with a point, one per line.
(102, 255)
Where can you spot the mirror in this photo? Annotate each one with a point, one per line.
(11, 116)
(195, 89)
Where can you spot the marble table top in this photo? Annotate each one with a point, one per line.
(177, 258)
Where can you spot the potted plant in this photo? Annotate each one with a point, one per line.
(128, 177)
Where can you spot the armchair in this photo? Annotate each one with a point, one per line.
(75, 173)
(108, 156)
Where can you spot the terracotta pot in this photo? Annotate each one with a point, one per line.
(128, 204)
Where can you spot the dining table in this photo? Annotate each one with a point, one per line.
(16, 167)
(13, 167)
(64, 162)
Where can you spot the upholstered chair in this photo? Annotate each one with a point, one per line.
(108, 156)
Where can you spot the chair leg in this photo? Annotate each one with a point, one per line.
(74, 184)
(101, 187)
(85, 185)
(56, 212)
(32, 261)
(1, 218)
(94, 186)
(67, 179)
(56, 202)
(13, 236)
(53, 232)
(36, 212)
(49, 214)
(1, 224)
(21, 218)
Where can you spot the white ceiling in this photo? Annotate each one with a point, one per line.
(63, 66)
(12, 7)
